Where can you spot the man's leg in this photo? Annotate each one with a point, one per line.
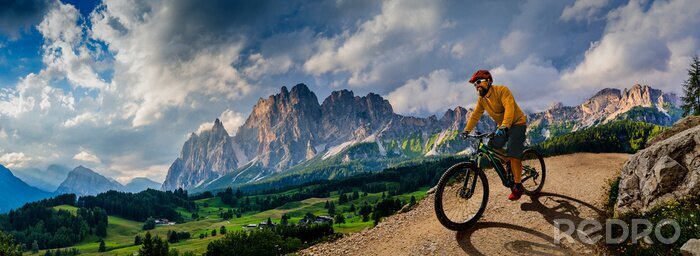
(516, 165)
(516, 147)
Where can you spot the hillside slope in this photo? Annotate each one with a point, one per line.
(15, 192)
(574, 190)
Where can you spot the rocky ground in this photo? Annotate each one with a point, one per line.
(575, 189)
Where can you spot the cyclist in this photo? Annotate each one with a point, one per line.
(498, 101)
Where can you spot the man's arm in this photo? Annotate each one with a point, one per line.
(509, 104)
(474, 118)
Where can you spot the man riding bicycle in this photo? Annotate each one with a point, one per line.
(498, 101)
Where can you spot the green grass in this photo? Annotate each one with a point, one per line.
(69, 208)
(121, 232)
(613, 188)
(685, 211)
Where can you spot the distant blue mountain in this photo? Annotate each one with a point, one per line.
(140, 184)
(45, 179)
(15, 193)
(83, 181)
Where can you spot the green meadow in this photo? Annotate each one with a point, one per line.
(121, 232)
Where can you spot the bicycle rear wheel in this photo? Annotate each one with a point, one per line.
(534, 171)
(461, 196)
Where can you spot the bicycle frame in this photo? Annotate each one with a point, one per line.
(485, 151)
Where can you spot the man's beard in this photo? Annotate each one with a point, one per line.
(483, 92)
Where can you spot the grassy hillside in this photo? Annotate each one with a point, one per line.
(121, 232)
(207, 214)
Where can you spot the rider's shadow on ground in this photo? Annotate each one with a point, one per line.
(517, 247)
(556, 207)
(552, 207)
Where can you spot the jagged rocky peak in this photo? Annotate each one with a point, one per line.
(218, 130)
(607, 92)
(607, 105)
(640, 95)
(555, 105)
(454, 119)
(82, 170)
(378, 106)
(452, 114)
(280, 126)
(605, 101)
(371, 107)
(218, 124)
(205, 156)
(302, 93)
(343, 113)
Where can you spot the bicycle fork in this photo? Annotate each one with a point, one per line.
(468, 187)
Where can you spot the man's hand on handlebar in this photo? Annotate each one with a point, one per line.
(502, 131)
(467, 135)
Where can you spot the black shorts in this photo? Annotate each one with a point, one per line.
(515, 141)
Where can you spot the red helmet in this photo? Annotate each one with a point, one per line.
(481, 74)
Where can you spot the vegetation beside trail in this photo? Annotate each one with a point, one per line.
(622, 136)
(686, 211)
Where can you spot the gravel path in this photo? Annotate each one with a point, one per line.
(575, 189)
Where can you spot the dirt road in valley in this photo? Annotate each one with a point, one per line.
(575, 189)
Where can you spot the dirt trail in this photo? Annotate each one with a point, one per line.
(574, 190)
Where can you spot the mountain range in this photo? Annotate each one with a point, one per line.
(83, 181)
(45, 179)
(139, 184)
(291, 133)
(639, 103)
(15, 192)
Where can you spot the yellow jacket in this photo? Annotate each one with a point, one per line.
(500, 105)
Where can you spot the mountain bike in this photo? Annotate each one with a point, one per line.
(463, 190)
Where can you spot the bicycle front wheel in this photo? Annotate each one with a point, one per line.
(461, 196)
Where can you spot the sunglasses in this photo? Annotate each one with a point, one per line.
(477, 82)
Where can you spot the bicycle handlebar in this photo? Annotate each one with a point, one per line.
(489, 135)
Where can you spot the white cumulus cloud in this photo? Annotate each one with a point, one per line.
(14, 160)
(387, 39)
(231, 120)
(652, 46)
(583, 10)
(87, 157)
(431, 94)
(157, 66)
(84, 117)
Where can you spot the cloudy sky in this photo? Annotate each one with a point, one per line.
(118, 85)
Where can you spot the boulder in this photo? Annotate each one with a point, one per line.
(691, 248)
(667, 170)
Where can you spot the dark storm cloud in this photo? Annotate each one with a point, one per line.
(17, 16)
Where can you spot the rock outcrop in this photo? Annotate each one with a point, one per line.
(668, 170)
(205, 156)
(280, 127)
(343, 113)
(691, 248)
